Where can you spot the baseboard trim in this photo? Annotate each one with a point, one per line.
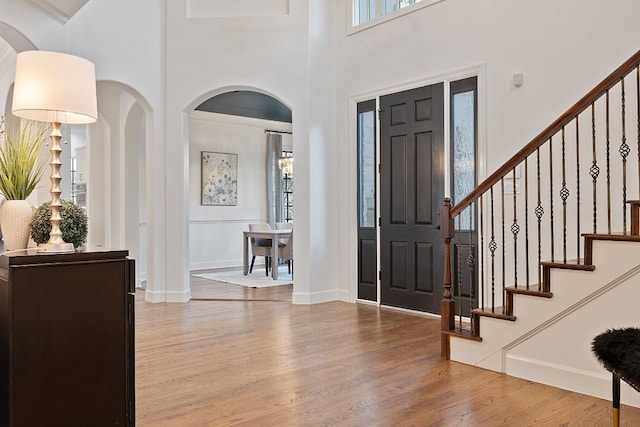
(167, 296)
(194, 266)
(597, 384)
(308, 298)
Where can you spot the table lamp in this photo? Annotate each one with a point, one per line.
(56, 88)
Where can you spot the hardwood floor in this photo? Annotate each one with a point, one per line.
(247, 357)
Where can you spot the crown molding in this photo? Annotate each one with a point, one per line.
(60, 10)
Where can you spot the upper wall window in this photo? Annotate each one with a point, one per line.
(365, 11)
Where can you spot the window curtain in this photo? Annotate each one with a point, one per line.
(274, 179)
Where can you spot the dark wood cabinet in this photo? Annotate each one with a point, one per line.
(67, 339)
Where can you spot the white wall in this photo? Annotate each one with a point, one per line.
(215, 232)
(563, 49)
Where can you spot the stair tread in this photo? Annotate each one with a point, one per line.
(532, 292)
(618, 237)
(571, 264)
(496, 313)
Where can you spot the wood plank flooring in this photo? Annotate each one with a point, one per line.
(247, 357)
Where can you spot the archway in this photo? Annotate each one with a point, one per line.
(118, 188)
(230, 120)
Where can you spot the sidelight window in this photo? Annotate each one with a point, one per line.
(463, 144)
(367, 166)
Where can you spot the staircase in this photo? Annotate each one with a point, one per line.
(533, 275)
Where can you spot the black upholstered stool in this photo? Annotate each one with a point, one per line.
(619, 351)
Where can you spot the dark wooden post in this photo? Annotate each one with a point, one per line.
(447, 306)
(635, 217)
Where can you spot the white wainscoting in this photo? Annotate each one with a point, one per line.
(217, 243)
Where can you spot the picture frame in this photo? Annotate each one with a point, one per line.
(219, 183)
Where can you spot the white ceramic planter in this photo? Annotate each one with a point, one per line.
(15, 216)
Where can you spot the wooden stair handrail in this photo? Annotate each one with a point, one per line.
(592, 96)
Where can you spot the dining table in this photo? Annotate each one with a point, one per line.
(275, 236)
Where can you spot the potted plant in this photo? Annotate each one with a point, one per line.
(20, 172)
(74, 224)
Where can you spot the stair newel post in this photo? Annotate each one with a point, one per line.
(447, 306)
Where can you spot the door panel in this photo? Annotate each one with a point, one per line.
(399, 265)
(424, 270)
(398, 182)
(411, 192)
(368, 266)
(424, 179)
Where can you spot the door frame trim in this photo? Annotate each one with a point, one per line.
(479, 71)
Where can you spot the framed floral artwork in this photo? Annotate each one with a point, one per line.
(219, 179)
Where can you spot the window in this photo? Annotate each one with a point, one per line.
(287, 191)
(364, 10)
(367, 164)
(368, 10)
(463, 144)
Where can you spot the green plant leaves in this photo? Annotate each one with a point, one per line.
(20, 165)
(74, 225)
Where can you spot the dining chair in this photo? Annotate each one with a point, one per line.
(283, 226)
(260, 247)
(285, 252)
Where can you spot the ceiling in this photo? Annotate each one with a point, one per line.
(247, 104)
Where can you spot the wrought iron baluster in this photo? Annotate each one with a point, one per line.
(471, 262)
(515, 229)
(526, 220)
(492, 248)
(458, 246)
(594, 171)
(608, 143)
(624, 151)
(481, 214)
(504, 259)
(577, 190)
(539, 212)
(564, 194)
(553, 258)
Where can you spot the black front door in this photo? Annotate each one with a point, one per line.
(411, 194)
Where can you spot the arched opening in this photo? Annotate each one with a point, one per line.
(236, 122)
(116, 183)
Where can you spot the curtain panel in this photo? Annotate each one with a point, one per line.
(274, 179)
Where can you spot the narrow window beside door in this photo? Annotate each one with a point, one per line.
(287, 191)
(463, 143)
(367, 214)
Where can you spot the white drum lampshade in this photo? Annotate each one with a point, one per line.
(54, 87)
